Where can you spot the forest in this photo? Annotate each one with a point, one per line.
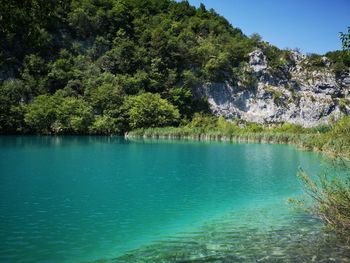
(111, 66)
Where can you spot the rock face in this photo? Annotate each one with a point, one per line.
(296, 94)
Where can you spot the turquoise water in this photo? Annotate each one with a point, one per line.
(83, 199)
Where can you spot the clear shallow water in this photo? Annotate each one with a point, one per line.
(83, 199)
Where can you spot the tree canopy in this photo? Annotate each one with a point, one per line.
(79, 66)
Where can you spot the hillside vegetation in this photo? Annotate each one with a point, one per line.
(333, 139)
(109, 66)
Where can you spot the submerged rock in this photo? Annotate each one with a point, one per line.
(233, 238)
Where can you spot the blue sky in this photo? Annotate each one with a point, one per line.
(311, 25)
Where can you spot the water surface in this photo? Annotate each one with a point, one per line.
(81, 199)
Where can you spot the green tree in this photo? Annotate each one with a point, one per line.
(41, 113)
(121, 58)
(12, 97)
(345, 39)
(59, 114)
(97, 52)
(73, 115)
(182, 98)
(106, 97)
(106, 125)
(150, 110)
(61, 71)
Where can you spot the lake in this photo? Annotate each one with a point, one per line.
(86, 199)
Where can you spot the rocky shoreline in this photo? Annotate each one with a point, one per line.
(300, 94)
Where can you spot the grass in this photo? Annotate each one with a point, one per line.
(332, 139)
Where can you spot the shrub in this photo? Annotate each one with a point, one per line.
(226, 127)
(254, 127)
(315, 61)
(331, 197)
(342, 127)
(244, 77)
(203, 121)
(289, 127)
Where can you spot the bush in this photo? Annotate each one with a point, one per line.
(340, 61)
(342, 127)
(253, 127)
(226, 127)
(289, 127)
(331, 197)
(315, 61)
(244, 77)
(203, 121)
(322, 128)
